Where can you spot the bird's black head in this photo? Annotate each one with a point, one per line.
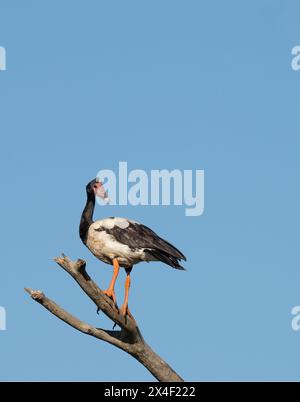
(95, 188)
(91, 187)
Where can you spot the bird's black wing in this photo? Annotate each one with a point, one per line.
(138, 236)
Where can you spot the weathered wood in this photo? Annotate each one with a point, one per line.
(128, 339)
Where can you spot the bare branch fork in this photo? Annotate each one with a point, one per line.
(129, 338)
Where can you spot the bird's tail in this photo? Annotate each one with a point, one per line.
(160, 255)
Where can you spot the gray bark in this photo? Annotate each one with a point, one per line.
(129, 338)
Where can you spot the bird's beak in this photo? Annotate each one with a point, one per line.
(100, 191)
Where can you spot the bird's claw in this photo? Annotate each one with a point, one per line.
(111, 294)
(125, 311)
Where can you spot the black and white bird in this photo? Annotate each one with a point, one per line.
(121, 242)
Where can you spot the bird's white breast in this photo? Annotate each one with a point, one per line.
(105, 247)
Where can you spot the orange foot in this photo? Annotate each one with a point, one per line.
(111, 294)
(125, 311)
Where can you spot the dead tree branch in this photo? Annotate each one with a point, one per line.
(128, 339)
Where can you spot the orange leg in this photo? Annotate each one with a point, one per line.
(124, 308)
(110, 292)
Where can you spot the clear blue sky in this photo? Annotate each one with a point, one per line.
(159, 84)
